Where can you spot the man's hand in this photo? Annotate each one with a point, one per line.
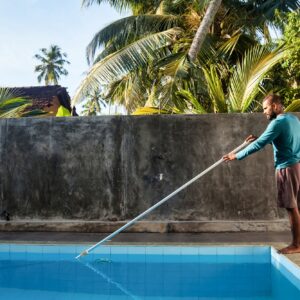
(229, 157)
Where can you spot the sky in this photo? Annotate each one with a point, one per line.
(26, 26)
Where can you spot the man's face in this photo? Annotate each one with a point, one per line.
(269, 109)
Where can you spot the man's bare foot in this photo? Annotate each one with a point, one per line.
(290, 249)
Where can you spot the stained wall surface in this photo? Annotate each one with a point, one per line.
(111, 168)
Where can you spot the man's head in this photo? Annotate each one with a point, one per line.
(272, 106)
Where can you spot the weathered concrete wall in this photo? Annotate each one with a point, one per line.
(111, 169)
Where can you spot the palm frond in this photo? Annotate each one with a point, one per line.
(134, 56)
(32, 113)
(192, 104)
(215, 89)
(12, 104)
(237, 42)
(294, 106)
(129, 91)
(129, 29)
(174, 74)
(147, 110)
(15, 112)
(263, 10)
(8, 93)
(13, 107)
(175, 65)
(120, 5)
(108, 50)
(245, 81)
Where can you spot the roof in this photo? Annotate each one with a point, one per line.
(42, 95)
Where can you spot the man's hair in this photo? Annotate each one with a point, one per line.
(274, 99)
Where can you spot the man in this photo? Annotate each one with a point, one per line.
(284, 134)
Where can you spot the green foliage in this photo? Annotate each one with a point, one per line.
(292, 41)
(52, 65)
(215, 89)
(151, 111)
(285, 78)
(145, 59)
(127, 30)
(12, 105)
(132, 57)
(92, 106)
(244, 84)
(193, 105)
(294, 106)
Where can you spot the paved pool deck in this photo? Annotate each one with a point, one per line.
(275, 239)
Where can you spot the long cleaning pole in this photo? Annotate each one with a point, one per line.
(87, 251)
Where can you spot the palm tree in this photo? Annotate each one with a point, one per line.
(52, 65)
(12, 104)
(92, 106)
(203, 29)
(146, 57)
(130, 46)
(245, 83)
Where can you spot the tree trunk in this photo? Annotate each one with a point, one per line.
(208, 19)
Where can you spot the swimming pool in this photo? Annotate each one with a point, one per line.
(146, 272)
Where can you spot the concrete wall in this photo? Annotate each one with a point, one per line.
(105, 169)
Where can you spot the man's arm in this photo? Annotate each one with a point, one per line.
(232, 156)
(272, 131)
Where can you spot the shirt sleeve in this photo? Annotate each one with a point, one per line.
(268, 136)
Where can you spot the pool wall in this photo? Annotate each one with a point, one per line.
(147, 272)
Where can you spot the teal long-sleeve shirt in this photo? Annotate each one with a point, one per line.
(284, 135)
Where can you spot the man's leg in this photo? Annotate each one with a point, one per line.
(288, 187)
(294, 217)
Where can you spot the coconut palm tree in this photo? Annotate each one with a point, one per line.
(147, 56)
(130, 45)
(93, 105)
(52, 65)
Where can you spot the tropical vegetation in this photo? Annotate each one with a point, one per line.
(93, 103)
(12, 104)
(52, 65)
(285, 77)
(191, 56)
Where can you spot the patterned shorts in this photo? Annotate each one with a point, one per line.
(288, 186)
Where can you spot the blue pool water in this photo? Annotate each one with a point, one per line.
(138, 272)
